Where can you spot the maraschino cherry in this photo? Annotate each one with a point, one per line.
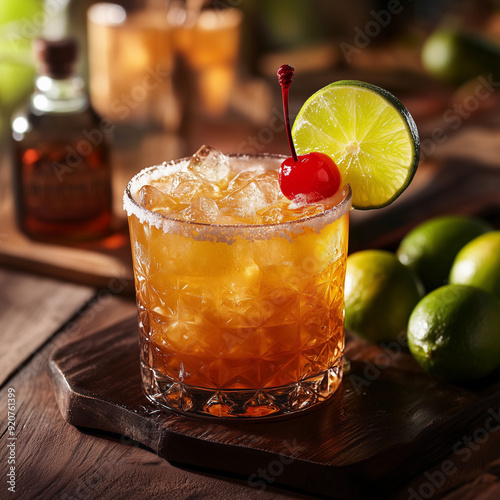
(310, 177)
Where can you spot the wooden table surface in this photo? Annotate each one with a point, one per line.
(54, 460)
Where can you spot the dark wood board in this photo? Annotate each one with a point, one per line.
(387, 422)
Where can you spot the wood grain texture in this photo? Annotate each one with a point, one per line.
(484, 487)
(474, 453)
(58, 461)
(100, 263)
(31, 309)
(388, 421)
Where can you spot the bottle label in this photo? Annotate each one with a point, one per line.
(80, 194)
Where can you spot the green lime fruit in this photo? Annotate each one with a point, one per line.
(20, 23)
(478, 264)
(380, 294)
(430, 248)
(455, 56)
(16, 82)
(14, 10)
(454, 333)
(369, 134)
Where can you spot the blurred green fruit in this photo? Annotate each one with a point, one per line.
(16, 82)
(20, 22)
(430, 248)
(14, 10)
(456, 57)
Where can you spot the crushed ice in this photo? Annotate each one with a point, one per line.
(206, 189)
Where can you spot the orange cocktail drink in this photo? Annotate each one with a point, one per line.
(239, 290)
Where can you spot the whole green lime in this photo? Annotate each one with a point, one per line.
(457, 56)
(380, 294)
(454, 333)
(478, 264)
(430, 248)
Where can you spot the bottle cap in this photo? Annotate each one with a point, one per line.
(56, 57)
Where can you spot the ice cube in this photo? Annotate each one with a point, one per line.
(188, 185)
(296, 210)
(164, 184)
(244, 177)
(210, 163)
(244, 202)
(267, 181)
(269, 185)
(226, 220)
(155, 200)
(272, 214)
(286, 211)
(203, 210)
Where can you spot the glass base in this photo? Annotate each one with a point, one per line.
(261, 403)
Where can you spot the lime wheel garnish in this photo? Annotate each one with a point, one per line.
(369, 134)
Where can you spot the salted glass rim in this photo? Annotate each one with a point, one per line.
(133, 207)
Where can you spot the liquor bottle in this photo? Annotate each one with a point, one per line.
(60, 149)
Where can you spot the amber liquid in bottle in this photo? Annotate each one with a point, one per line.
(62, 175)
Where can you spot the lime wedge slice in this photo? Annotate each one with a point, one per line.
(369, 134)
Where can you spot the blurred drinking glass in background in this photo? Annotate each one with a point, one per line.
(208, 44)
(132, 61)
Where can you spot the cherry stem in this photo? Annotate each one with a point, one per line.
(285, 74)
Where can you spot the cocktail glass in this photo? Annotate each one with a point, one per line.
(239, 320)
(131, 63)
(209, 44)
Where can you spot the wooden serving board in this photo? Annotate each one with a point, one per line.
(386, 423)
